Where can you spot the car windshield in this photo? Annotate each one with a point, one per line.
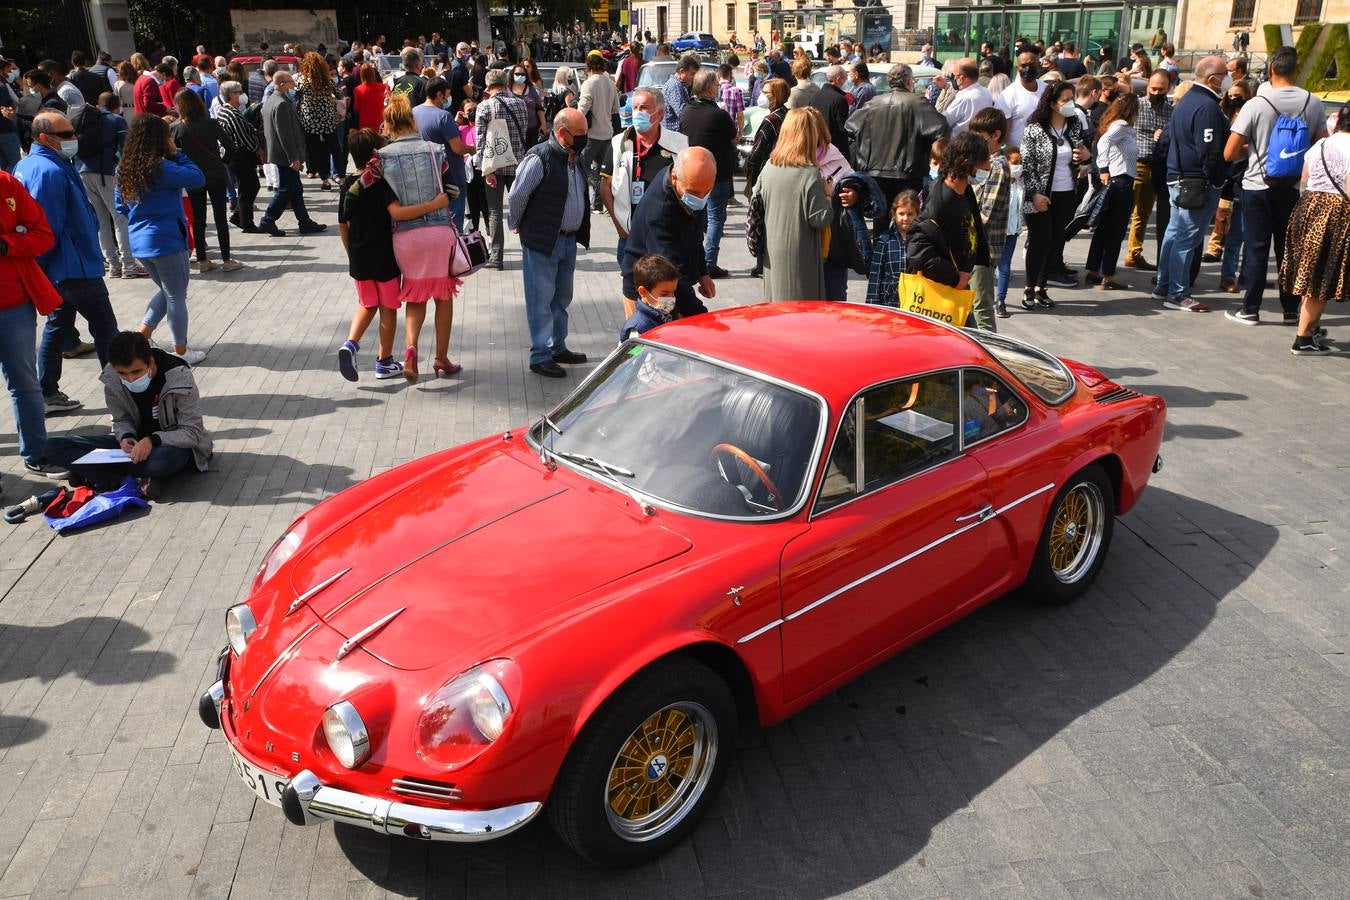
(1044, 375)
(689, 433)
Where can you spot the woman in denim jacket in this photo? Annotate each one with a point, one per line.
(413, 169)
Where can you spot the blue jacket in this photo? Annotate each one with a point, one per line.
(643, 320)
(56, 186)
(1196, 137)
(155, 222)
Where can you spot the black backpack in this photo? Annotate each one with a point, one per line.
(89, 131)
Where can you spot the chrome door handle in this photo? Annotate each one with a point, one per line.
(984, 512)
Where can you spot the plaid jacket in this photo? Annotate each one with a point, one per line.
(732, 99)
(994, 195)
(883, 271)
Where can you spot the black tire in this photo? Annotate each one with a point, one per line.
(673, 690)
(1064, 568)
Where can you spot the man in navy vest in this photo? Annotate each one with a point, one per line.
(548, 209)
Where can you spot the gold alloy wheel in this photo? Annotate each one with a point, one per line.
(1076, 533)
(661, 771)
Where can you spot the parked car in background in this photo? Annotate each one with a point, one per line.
(731, 518)
(655, 74)
(698, 41)
(284, 63)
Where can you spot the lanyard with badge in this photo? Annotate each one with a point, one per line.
(638, 187)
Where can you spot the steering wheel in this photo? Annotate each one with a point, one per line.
(775, 496)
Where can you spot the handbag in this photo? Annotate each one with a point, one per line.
(755, 235)
(468, 252)
(925, 297)
(497, 152)
(1192, 192)
(1089, 211)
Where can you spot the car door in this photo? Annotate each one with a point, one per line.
(895, 541)
(1005, 433)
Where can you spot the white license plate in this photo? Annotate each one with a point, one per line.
(267, 786)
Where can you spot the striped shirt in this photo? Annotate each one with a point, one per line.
(243, 136)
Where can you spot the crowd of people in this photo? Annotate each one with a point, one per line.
(115, 165)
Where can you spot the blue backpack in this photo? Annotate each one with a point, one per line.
(1288, 144)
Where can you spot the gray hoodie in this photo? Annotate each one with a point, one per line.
(180, 412)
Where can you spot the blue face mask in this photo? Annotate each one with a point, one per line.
(692, 203)
(139, 385)
(642, 120)
(933, 172)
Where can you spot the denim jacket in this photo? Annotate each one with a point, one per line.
(413, 169)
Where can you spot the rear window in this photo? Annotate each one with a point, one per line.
(1044, 376)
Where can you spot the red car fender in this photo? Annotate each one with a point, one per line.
(639, 659)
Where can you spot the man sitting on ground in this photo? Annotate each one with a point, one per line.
(156, 414)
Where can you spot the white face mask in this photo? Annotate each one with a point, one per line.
(981, 176)
(665, 304)
(763, 101)
(1016, 171)
(1227, 83)
(1068, 109)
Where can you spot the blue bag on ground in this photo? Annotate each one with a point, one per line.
(102, 507)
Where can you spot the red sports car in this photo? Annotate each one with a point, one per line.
(730, 517)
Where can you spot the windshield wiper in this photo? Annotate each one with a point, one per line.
(614, 472)
(544, 448)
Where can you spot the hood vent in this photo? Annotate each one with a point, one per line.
(1116, 396)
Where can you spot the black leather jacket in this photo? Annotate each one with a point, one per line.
(892, 134)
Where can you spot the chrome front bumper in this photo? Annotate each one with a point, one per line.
(308, 801)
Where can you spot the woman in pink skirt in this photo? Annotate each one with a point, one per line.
(413, 168)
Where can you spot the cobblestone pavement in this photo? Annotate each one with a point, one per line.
(1183, 730)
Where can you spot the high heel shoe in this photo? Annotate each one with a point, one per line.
(410, 365)
(442, 365)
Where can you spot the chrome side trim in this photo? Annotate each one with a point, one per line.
(314, 591)
(984, 517)
(366, 633)
(308, 800)
(758, 631)
(281, 657)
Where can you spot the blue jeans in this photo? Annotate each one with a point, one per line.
(170, 275)
(9, 152)
(18, 362)
(1005, 268)
(89, 298)
(548, 293)
(162, 462)
(290, 192)
(1185, 232)
(623, 245)
(457, 209)
(717, 220)
(1233, 241)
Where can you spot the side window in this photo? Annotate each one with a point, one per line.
(908, 426)
(988, 406)
(841, 473)
(889, 433)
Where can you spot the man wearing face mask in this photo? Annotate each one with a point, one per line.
(285, 144)
(971, 96)
(1195, 172)
(1148, 130)
(636, 159)
(156, 416)
(75, 262)
(436, 123)
(862, 89)
(668, 222)
(548, 209)
(1018, 101)
(460, 89)
(9, 116)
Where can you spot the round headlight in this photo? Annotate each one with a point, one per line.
(281, 551)
(239, 625)
(346, 734)
(464, 717)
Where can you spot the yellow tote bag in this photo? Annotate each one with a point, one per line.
(925, 297)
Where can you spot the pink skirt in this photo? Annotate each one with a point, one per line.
(423, 256)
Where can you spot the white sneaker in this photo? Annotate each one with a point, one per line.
(190, 356)
(231, 265)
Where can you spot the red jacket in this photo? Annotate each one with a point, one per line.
(21, 279)
(147, 96)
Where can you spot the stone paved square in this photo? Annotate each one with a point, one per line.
(1181, 731)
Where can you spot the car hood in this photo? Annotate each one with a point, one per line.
(481, 549)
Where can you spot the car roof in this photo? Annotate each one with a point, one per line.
(833, 349)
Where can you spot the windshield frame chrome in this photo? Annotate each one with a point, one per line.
(809, 476)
